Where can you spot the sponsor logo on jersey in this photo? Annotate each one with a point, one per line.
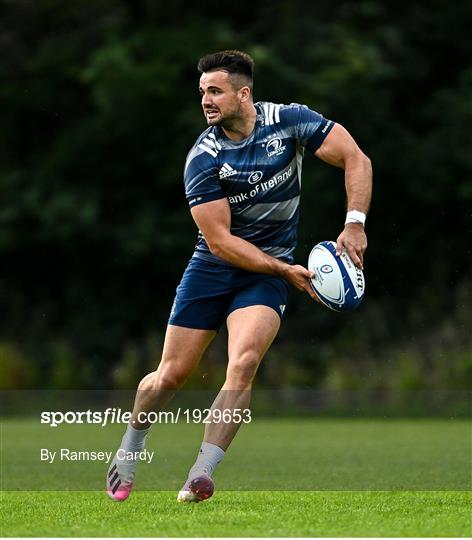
(193, 201)
(260, 188)
(282, 308)
(254, 177)
(327, 126)
(226, 171)
(274, 147)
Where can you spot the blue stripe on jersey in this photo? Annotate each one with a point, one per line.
(259, 176)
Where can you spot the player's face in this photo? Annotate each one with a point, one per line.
(220, 101)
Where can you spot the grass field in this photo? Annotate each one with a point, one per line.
(282, 477)
(239, 514)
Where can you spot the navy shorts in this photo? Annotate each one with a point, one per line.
(209, 292)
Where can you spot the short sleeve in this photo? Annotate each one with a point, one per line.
(309, 127)
(201, 180)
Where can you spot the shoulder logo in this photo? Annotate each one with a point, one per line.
(210, 145)
(271, 113)
(282, 308)
(254, 177)
(226, 171)
(274, 147)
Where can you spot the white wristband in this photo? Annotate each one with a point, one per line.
(354, 216)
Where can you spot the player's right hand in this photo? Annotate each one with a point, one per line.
(299, 277)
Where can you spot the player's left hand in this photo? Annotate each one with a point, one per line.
(354, 240)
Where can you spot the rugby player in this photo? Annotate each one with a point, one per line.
(243, 182)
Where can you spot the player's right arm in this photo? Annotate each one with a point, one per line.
(214, 221)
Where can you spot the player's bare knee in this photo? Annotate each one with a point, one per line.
(146, 383)
(162, 379)
(169, 378)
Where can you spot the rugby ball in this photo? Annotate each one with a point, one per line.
(338, 283)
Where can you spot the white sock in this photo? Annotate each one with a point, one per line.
(133, 441)
(208, 458)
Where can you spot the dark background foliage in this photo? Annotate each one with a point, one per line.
(99, 106)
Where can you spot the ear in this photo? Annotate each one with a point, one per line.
(244, 94)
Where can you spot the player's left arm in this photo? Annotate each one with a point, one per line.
(340, 149)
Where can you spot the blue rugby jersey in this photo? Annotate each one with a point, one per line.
(260, 176)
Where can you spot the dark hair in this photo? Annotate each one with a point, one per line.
(234, 62)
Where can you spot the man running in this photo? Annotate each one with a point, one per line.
(243, 183)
